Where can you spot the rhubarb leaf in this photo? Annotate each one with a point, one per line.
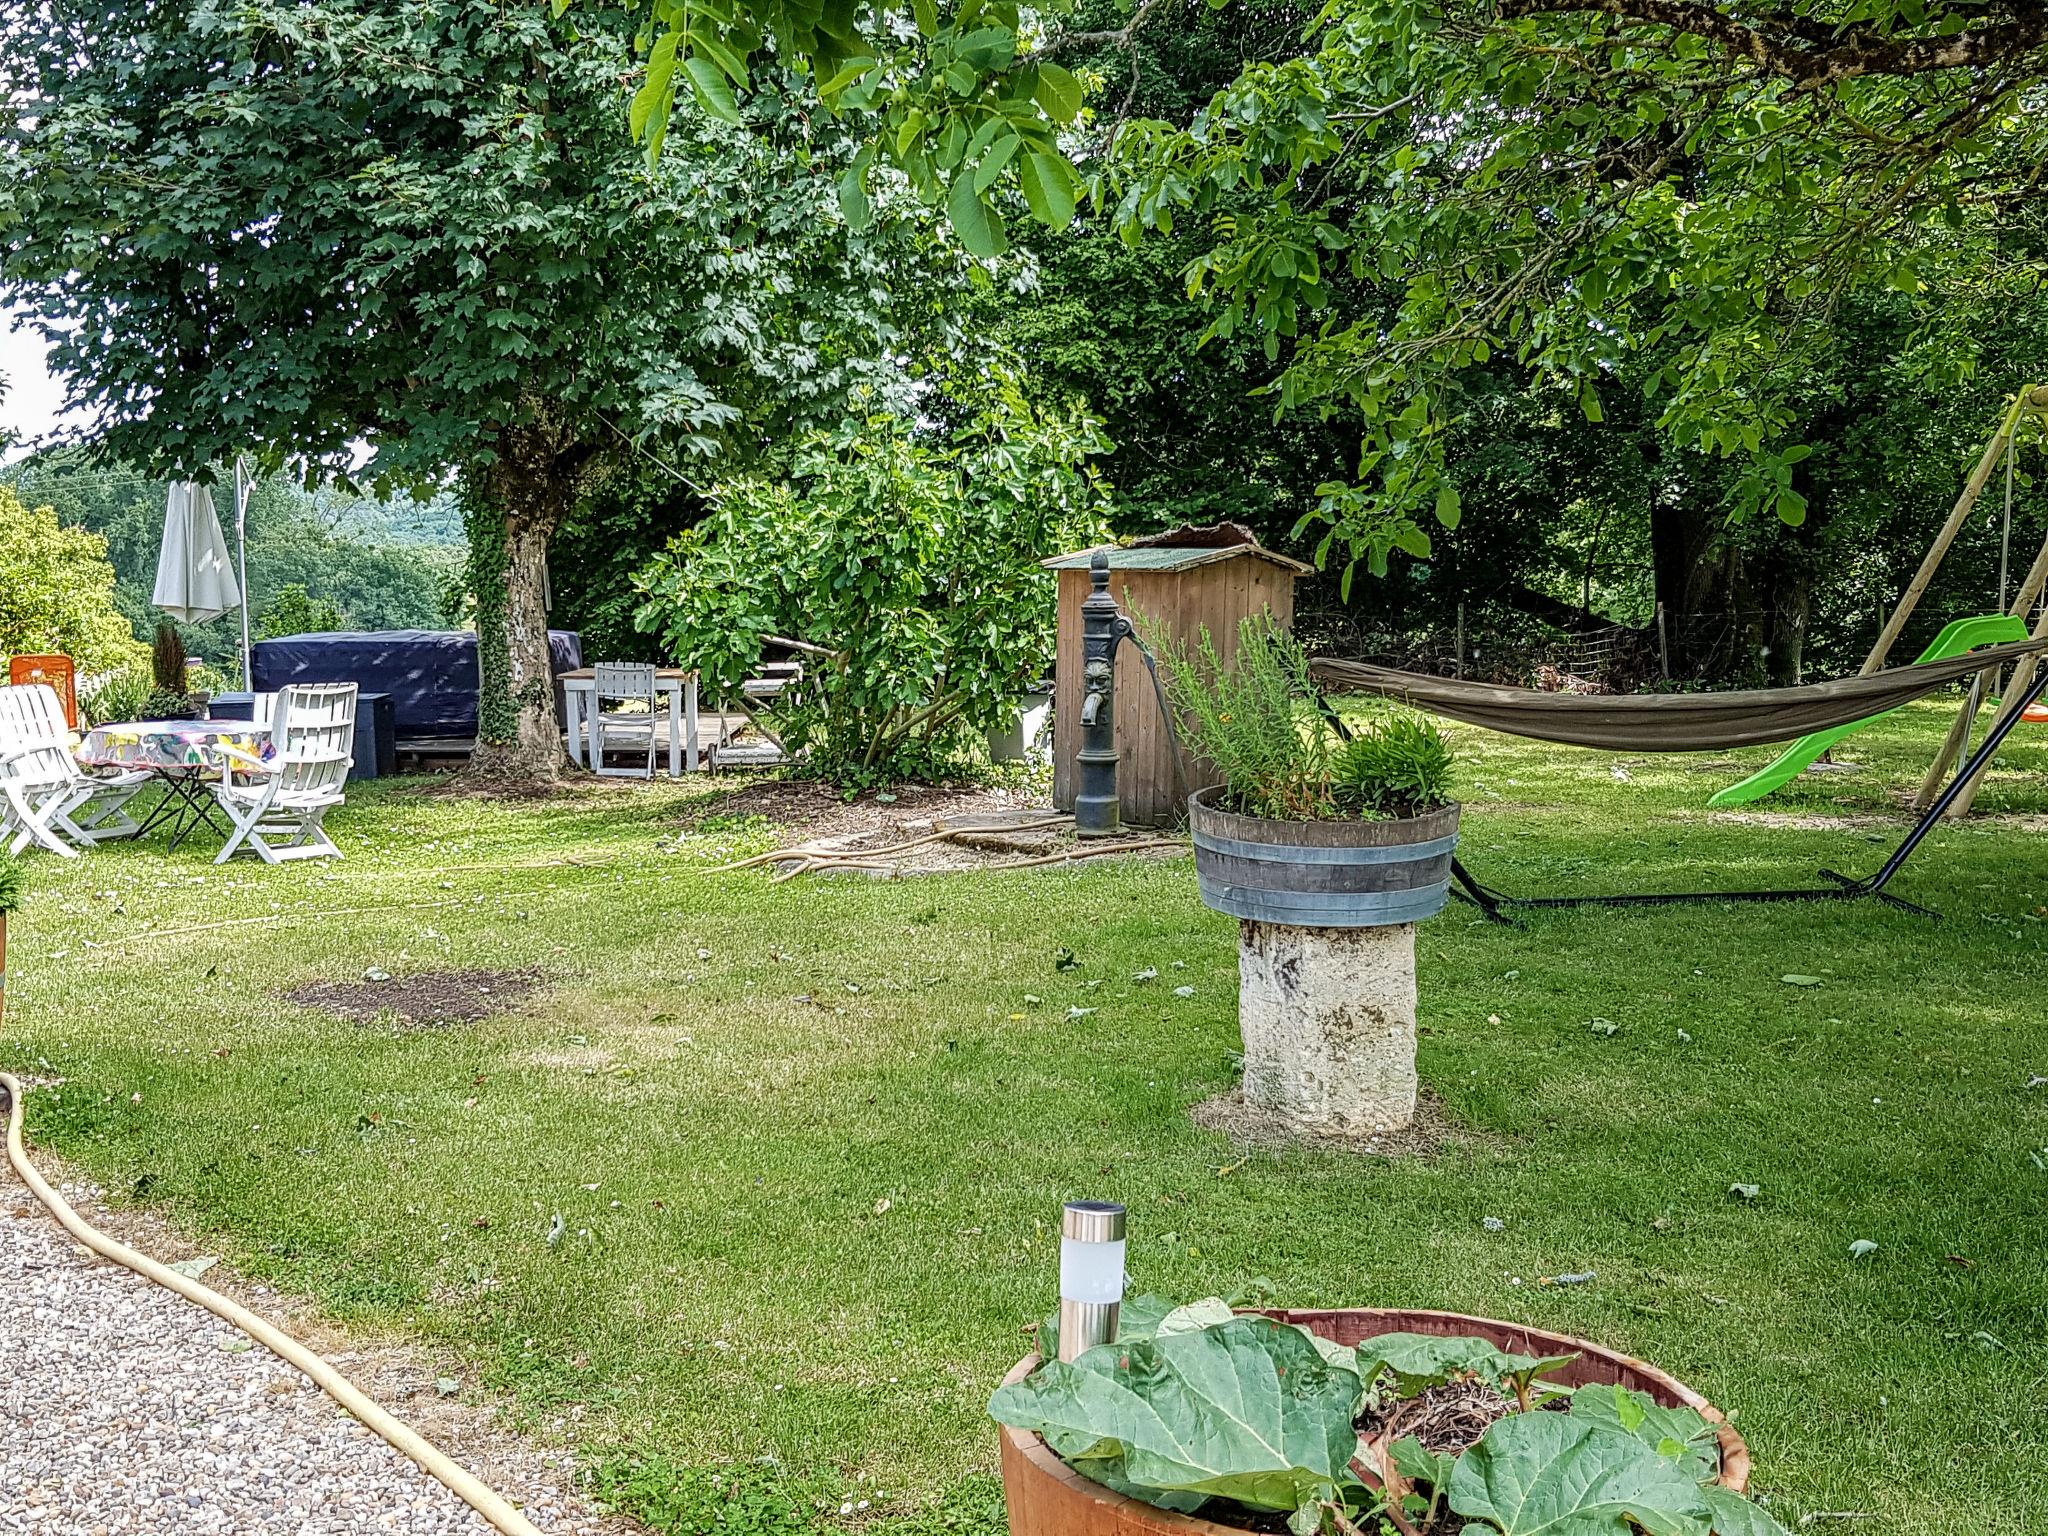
(1246, 1409)
(1553, 1474)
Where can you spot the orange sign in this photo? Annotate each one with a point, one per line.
(57, 671)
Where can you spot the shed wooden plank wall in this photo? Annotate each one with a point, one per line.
(1218, 595)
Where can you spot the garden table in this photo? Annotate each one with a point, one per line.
(179, 754)
(579, 694)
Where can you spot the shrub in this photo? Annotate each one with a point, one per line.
(1246, 717)
(13, 881)
(123, 694)
(167, 660)
(915, 563)
(57, 591)
(292, 610)
(1260, 720)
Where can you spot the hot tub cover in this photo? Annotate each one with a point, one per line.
(431, 674)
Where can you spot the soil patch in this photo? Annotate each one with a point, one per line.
(813, 810)
(1447, 1419)
(427, 999)
(1251, 1128)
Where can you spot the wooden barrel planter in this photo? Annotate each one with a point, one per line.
(1326, 958)
(1046, 1497)
(1323, 874)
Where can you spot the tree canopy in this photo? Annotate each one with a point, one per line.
(1685, 190)
(310, 230)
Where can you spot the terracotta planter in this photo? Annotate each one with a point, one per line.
(1323, 874)
(1046, 1497)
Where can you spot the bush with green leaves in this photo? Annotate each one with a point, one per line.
(292, 610)
(1240, 1416)
(57, 591)
(1258, 717)
(914, 562)
(13, 881)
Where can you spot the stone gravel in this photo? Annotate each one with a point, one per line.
(126, 1409)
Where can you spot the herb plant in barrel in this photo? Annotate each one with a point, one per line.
(1328, 843)
(1202, 1421)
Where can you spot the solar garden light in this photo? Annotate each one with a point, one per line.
(1091, 1274)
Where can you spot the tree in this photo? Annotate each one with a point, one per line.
(295, 611)
(337, 548)
(57, 591)
(303, 229)
(1682, 191)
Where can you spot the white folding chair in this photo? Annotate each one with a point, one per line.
(279, 804)
(624, 682)
(45, 796)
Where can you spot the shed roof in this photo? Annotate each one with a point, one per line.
(1182, 549)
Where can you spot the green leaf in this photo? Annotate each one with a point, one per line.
(1058, 92)
(708, 84)
(853, 192)
(979, 227)
(1423, 1360)
(1554, 1474)
(1736, 1516)
(1433, 1468)
(1048, 185)
(1681, 1433)
(652, 97)
(1449, 509)
(993, 162)
(1139, 1318)
(1245, 1409)
(987, 49)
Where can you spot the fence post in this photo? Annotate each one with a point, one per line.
(1663, 645)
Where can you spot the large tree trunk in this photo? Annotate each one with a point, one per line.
(540, 473)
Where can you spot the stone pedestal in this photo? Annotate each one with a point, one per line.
(1329, 1026)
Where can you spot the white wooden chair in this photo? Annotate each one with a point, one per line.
(279, 804)
(623, 682)
(46, 798)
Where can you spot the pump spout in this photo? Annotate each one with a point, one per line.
(1091, 706)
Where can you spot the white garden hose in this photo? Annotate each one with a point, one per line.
(484, 1500)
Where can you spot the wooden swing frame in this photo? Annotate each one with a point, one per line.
(2031, 403)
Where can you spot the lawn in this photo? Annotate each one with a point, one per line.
(807, 1143)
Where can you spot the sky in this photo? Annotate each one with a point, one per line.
(31, 398)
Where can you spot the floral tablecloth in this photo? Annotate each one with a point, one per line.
(171, 744)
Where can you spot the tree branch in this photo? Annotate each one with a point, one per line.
(1795, 48)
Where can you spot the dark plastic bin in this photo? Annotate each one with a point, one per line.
(376, 744)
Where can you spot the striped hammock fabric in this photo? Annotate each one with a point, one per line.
(1667, 722)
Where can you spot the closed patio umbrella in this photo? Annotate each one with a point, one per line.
(194, 579)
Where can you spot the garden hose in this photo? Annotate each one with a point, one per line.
(484, 1500)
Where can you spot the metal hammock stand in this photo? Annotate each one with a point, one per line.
(1495, 904)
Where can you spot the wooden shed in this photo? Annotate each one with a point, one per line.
(1185, 579)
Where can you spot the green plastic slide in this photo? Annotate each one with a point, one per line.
(1963, 635)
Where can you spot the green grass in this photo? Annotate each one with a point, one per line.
(720, 1131)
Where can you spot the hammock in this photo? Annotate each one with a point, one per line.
(1668, 722)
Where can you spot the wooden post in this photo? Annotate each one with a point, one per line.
(1663, 646)
(1956, 517)
(1952, 745)
(2015, 700)
(1459, 669)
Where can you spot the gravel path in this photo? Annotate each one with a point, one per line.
(126, 1409)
